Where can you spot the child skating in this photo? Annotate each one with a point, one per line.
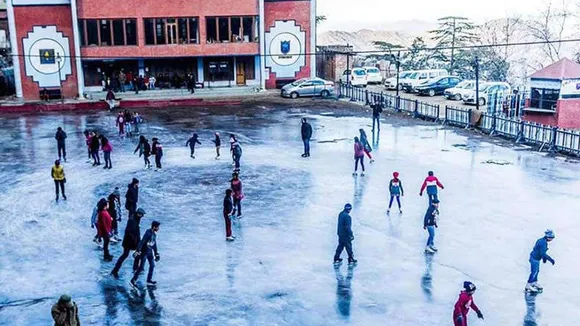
(238, 195)
(191, 142)
(359, 155)
(218, 142)
(539, 253)
(157, 150)
(228, 213)
(431, 183)
(464, 303)
(366, 146)
(396, 191)
(429, 224)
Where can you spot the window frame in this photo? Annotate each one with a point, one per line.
(170, 21)
(85, 40)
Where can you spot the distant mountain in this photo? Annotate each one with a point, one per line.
(363, 39)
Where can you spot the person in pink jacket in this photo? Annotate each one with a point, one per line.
(107, 149)
(359, 155)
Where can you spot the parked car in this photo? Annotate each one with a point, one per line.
(373, 75)
(489, 90)
(358, 77)
(391, 83)
(437, 86)
(460, 90)
(308, 87)
(420, 76)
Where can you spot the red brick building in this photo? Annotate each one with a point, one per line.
(75, 46)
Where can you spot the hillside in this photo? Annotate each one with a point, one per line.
(363, 39)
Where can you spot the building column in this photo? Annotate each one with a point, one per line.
(257, 69)
(77, 47)
(200, 74)
(234, 69)
(262, 26)
(14, 48)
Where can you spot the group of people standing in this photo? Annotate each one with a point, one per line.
(128, 123)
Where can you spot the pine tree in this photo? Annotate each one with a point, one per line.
(453, 32)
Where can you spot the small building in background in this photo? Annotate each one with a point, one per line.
(555, 95)
(331, 61)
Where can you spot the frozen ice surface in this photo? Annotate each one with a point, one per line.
(279, 270)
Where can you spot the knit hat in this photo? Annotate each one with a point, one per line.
(549, 234)
(116, 192)
(468, 286)
(347, 206)
(66, 300)
(140, 211)
(396, 174)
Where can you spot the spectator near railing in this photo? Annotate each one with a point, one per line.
(510, 126)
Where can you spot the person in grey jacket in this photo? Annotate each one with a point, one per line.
(147, 250)
(345, 236)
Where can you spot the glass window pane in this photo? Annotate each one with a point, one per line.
(211, 29)
(118, 35)
(92, 33)
(193, 30)
(248, 29)
(105, 26)
(236, 28)
(149, 32)
(224, 29)
(131, 31)
(182, 30)
(160, 30)
(82, 32)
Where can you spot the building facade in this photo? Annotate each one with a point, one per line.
(75, 46)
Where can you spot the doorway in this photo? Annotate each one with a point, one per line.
(240, 73)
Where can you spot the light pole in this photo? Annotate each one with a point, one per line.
(58, 61)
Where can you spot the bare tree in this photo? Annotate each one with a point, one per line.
(548, 26)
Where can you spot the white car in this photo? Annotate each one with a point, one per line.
(487, 92)
(373, 75)
(419, 77)
(358, 77)
(391, 83)
(458, 92)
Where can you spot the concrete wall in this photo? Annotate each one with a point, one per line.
(26, 18)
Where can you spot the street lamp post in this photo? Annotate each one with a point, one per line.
(58, 61)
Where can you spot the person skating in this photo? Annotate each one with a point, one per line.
(228, 213)
(128, 123)
(94, 221)
(144, 149)
(104, 226)
(95, 145)
(88, 138)
(107, 149)
(306, 132)
(191, 143)
(359, 156)
(396, 191)
(431, 183)
(377, 110)
(120, 123)
(345, 236)
(57, 174)
(157, 150)
(464, 303)
(60, 137)
(114, 210)
(132, 197)
(237, 152)
(429, 224)
(539, 253)
(130, 242)
(110, 99)
(218, 142)
(233, 141)
(147, 250)
(236, 185)
(65, 312)
(366, 145)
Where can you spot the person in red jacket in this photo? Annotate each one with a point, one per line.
(463, 304)
(238, 194)
(104, 226)
(431, 183)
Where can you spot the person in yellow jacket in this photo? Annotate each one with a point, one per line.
(57, 174)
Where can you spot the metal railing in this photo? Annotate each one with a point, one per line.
(552, 139)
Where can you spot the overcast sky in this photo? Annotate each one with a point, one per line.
(352, 15)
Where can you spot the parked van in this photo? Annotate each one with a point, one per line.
(488, 91)
(420, 76)
(373, 75)
(458, 92)
(357, 76)
(391, 83)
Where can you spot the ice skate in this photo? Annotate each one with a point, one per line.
(354, 174)
(372, 161)
(428, 250)
(113, 240)
(115, 275)
(151, 283)
(388, 211)
(538, 286)
(400, 211)
(352, 262)
(530, 288)
(362, 174)
(133, 285)
(338, 261)
(230, 238)
(434, 248)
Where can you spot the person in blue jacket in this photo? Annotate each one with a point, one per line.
(147, 250)
(429, 224)
(345, 236)
(396, 191)
(539, 253)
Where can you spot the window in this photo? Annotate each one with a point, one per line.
(218, 69)
(161, 31)
(108, 32)
(231, 29)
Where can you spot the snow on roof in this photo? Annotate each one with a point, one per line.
(563, 69)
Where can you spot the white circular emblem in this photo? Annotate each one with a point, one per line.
(51, 50)
(285, 49)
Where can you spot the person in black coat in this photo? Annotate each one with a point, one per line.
(306, 135)
(345, 236)
(95, 145)
(132, 197)
(377, 110)
(60, 137)
(228, 212)
(130, 241)
(191, 142)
